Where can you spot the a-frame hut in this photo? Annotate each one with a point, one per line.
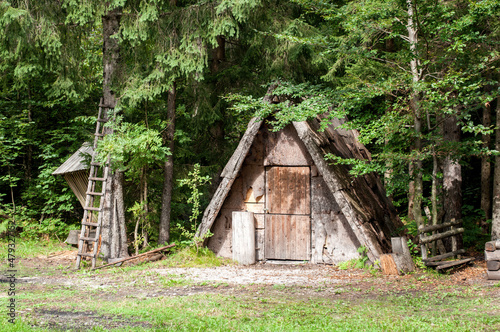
(305, 208)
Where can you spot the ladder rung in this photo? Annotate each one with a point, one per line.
(99, 135)
(88, 239)
(93, 224)
(92, 208)
(103, 120)
(96, 179)
(94, 163)
(86, 254)
(94, 193)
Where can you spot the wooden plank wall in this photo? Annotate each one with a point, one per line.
(288, 237)
(333, 239)
(78, 182)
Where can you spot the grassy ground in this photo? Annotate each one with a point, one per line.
(54, 297)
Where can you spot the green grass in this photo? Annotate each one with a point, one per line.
(133, 301)
(212, 312)
(29, 248)
(190, 257)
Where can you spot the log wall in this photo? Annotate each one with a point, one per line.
(492, 256)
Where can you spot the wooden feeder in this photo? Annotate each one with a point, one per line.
(76, 172)
(304, 207)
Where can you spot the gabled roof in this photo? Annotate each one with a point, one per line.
(76, 162)
(363, 201)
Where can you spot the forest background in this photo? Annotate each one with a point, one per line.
(418, 78)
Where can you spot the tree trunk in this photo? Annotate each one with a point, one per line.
(417, 116)
(411, 192)
(219, 54)
(114, 240)
(486, 168)
(166, 201)
(452, 174)
(121, 235)
(495, 224)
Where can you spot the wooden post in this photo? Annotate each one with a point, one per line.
(243, 237)
(402, 255)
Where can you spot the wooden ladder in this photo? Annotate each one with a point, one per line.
(88, 243)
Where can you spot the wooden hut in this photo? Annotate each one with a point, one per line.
(304, 208)
(76, 172)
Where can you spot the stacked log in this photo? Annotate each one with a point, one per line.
(492, 256)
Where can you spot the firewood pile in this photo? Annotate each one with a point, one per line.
(492, 257)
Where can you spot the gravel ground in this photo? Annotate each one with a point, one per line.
(266, 274)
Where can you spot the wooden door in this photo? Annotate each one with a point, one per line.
(288, 205)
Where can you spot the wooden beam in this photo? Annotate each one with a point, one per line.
(431, 228)
(427, 239)
(455, 263)
(134, 257)
(444, 256)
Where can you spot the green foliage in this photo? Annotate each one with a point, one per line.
(131, 147)
(413, 247)
(362, 262)
(474, 236)
(193, 181)
(190, 256)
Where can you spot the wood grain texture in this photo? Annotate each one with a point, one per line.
(259, 244)
(493, 275)
(492, 245)
(284, 148)
(259, 220)
(492, 255)
(493, 265)
(221, 240)
(322, 200)
(253, 184)
(288, 190)
(362, 200)
(388, 265)
(243, 237)
(287, 237)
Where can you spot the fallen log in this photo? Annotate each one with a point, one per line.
(454, 263)
(134, 257)
(444, 256)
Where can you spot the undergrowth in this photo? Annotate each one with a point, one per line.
(191, 256)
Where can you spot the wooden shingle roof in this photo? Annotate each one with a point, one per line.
(76, 162)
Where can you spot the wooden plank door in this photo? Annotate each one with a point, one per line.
(288, 222)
